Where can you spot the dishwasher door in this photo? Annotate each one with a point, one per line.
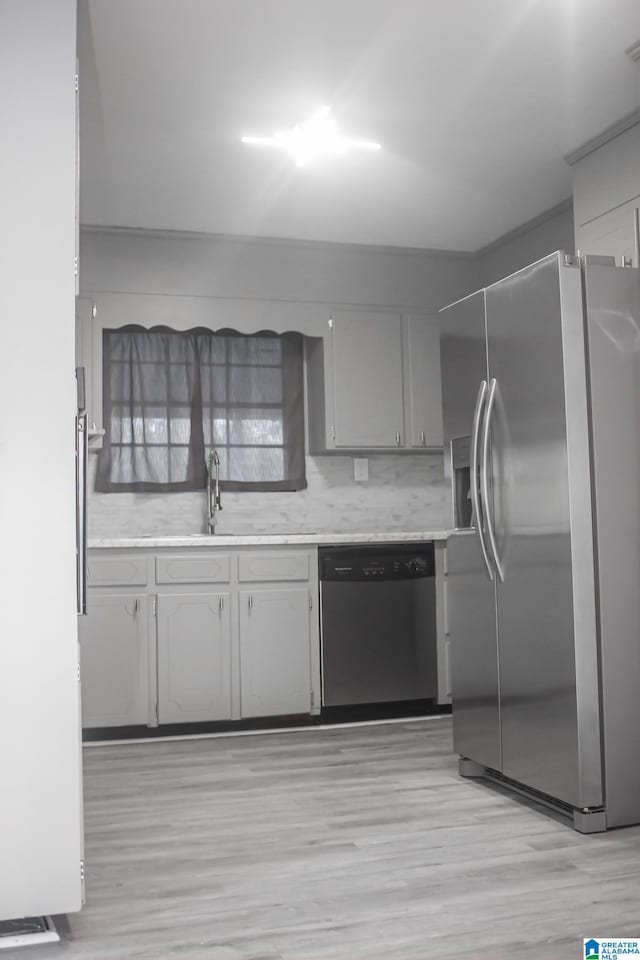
(378, 641)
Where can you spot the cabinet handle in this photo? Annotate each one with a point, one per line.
(250, 601)
(398, 437)
(422, 438)
(136, 608)
(220, 605)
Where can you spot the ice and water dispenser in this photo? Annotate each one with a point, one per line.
(461, 471)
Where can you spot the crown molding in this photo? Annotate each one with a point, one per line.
(275, 241)
(617, 128)
(526, 227)
(634, 51)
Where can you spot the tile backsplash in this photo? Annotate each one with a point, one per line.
(404, 492)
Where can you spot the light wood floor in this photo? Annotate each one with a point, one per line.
(344, 844)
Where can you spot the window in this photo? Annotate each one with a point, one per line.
(170, 397)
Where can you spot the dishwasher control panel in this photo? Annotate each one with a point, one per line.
(400, 562)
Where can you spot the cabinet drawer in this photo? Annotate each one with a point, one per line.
(120, 571)
(185, 568)
(273, 566)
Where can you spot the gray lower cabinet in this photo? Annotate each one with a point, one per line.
(275, 667)
(114, 660)
(200, 636)
(194, 657)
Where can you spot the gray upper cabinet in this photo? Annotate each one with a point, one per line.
(614, 234)
(606, 198)
(366, 353)
(374, 383)
(608, 177)
(194, 657)
(114, 660)
(275, 666)
(423, 397)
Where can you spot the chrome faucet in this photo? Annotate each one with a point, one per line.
(213, 491)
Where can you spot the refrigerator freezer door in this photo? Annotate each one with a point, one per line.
(470, 591)
(532, 511)
(613, 304)
(471, 605)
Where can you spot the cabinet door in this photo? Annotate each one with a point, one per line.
(275, 669)
(194, 657)
(614, 234)
(114, 660)
(423, 394)
(367, 379)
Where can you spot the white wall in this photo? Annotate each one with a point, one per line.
(530, 242)
(404, 492)
(192, 265)
(39, 720)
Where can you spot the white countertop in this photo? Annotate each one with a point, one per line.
(260, 539)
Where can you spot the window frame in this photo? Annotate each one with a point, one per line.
(291, 411)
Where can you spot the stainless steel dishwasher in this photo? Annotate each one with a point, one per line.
(378, 624)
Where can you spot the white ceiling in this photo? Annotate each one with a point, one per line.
(475, 103)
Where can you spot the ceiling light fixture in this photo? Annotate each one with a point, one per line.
(316, 137)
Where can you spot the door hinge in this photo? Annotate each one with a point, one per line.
(313, 699)
(333, 432)
(330, 321)
(310, 601)
(94, 311)
(75, 266)
(82, 870)
(78, 673)
(154, 607)
(76, 82)
(156, 712)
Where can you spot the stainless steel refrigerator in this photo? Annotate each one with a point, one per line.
(541, 397)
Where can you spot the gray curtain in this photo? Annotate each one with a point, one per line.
(170, 397)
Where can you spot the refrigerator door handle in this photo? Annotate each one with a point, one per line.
(82, 447)
(475, 493)
(484, 479)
